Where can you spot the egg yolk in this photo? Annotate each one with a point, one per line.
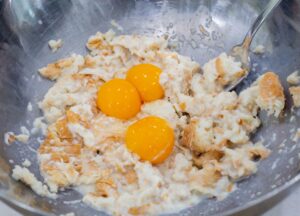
(119, 98)
(151, 138)
(145, 77)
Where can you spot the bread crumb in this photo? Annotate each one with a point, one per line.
(24, 130)
(68, 214)
(260, 49)
(295, 92)
(24, 175)
(116, 25)
(9, 138)
(22, 138)
(39, 125)
(293, 78)
(29, 107)
(292, 118)
(297, 135)
(26, 163)
(55, 44)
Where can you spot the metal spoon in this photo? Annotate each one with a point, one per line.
(241, 51)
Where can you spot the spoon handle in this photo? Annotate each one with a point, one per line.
(272, 4)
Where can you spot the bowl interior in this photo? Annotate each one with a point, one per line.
(200, 29)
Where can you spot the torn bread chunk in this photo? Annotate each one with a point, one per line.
(270, 94)
(176, 80)
(240, 162)
(225, 121)
(24, 175)
(295, 92)
(220, 72)
(248, 97)
(63, 66)
(100, 43)
(293, 78)
(205, 134)
(68, 92)
(198, 136)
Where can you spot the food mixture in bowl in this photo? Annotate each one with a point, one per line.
(139, 129)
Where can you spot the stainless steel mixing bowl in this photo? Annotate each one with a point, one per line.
(201, 29)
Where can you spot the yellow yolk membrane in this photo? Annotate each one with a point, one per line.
(119, 98)
(145, 77)
(151, 138)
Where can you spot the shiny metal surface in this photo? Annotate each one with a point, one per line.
(201, 29)
(241, 51)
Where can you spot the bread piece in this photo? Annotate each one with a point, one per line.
(293, 78)
(295, 92)
(270, 94)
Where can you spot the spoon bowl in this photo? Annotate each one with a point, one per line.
(241, 51)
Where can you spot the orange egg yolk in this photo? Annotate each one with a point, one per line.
(145, 77)
(151, 138)
(119, 98)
